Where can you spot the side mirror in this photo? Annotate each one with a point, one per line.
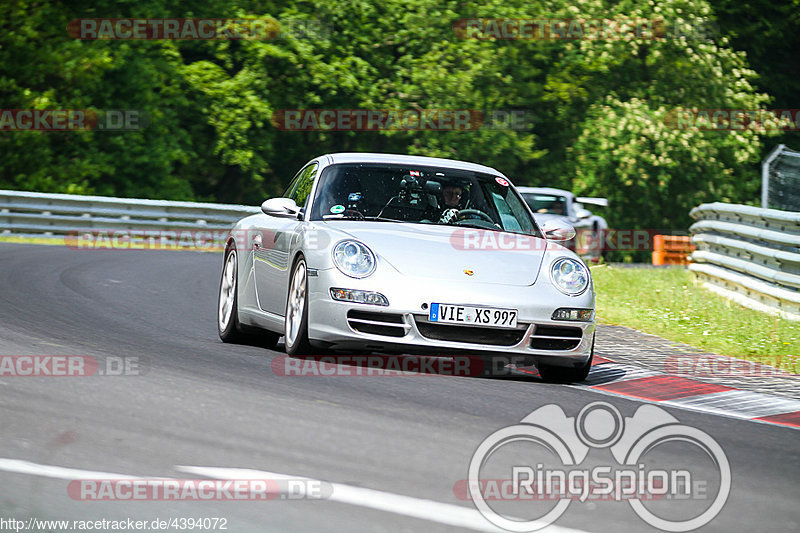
(582, 213)
(555, 229)
(280, 207)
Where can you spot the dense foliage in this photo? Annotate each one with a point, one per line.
(601, 107)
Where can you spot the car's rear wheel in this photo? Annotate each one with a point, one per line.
(296, 323)
(228, 325)
(562, 374)
(227, 303)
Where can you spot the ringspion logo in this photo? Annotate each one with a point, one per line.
(518, 471)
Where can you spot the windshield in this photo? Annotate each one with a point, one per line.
(546, 203)
(421, 195)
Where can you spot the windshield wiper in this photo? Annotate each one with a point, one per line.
(382, 219)
(352, 217)
(473, 225)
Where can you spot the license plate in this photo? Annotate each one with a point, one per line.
(469, 314)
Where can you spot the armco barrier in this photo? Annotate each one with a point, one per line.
(41, 214)
(750, 255)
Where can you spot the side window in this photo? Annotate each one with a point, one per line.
(512, 213)
(301, 185)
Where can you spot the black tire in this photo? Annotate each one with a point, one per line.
(228, 328)
(296, 334)
(562, 374)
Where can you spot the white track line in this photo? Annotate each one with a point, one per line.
(443, 513)
(58, 472)
(433, 511)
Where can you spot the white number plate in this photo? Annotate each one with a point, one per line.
(468, 314)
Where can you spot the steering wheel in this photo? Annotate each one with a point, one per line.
(464, 213)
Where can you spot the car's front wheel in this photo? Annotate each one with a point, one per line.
(296, 323)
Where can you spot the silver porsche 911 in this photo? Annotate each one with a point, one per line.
(407, 254)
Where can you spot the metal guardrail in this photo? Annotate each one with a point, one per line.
(750, 255)
(59, 215)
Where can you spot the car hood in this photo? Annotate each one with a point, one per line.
(447, 252)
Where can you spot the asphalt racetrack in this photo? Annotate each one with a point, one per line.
(195, 407)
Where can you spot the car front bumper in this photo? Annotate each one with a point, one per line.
(403, 326)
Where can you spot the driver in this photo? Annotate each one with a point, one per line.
(451, 195)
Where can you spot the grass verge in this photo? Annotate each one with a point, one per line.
(107, 244)
(668, 302)
(32, 240)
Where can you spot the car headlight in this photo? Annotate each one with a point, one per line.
(354, 259)
(569, 276)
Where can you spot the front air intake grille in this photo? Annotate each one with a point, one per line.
(471, 334)
(547, 337)
(554, 344)
(558, 331)
(386, 324)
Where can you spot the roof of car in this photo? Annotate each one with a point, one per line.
(358, 157)
(544, 190)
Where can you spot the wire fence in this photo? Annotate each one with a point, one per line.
(780, 175)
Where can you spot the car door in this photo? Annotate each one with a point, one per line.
(272, 257)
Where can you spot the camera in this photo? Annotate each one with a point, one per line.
(412, 189)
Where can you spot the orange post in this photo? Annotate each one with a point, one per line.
(658, 250)
(671, 250)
